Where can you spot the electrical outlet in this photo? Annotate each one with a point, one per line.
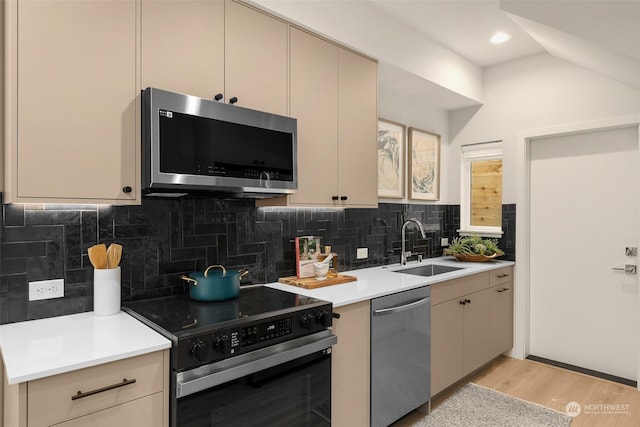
(362, 253)
(46, 289)
(444, 241)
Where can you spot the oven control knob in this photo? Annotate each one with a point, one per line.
(199, 350)
(323, 318)
(220, 343)
(306, 321)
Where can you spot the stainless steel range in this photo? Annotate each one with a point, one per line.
(263, 358)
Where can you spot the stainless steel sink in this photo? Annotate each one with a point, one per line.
(428, 270)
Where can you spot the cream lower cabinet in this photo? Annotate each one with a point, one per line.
(131, 392)
(471, 323)
(203, 48)
(501, 310)
(139, 413)
(350, 366)
(333, 95)
(72, 111)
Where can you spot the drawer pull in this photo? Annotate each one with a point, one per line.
(500, 276)
(503, 289)
(80, 394)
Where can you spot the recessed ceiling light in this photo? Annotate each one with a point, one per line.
(499, 37)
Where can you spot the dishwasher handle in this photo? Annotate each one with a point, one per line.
(400, 308)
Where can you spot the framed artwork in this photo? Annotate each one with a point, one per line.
(424, 165)
(307, 253)
(391, 154)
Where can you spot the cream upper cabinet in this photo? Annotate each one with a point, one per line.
(314, 66)
(205, 48)
(357, 130)
(350, 366)
(183, 46)
(71, 102)
(333, 95)
(256, 59)
(2, 26)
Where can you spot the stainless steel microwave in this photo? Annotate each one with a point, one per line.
(196, 145)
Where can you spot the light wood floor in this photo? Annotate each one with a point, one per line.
(554, 388)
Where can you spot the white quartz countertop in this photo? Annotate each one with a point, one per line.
(380, 281)
(39, 348)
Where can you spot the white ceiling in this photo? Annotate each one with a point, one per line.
(414, 40)
(464, 26)
(600, 35)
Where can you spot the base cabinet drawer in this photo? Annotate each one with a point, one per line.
(62, 397)
(145, 412)
(129, 392)
(500, 276)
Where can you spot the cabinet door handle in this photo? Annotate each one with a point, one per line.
(343, 198)
(218, 97)
(127, 189)
(500, 276)
(503, 289)
(334, 197)
(81, 394)
(233, 100)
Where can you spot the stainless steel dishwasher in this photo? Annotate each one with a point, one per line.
(400, 354)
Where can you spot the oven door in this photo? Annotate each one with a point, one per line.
(285, 384)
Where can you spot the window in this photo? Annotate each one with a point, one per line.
(481, 189)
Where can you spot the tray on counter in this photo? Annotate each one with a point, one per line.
(312, 283)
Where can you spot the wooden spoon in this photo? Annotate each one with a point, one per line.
(114, 253)
(98, 255)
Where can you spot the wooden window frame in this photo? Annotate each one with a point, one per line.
(471, 153)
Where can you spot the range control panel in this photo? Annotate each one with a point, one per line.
(218, 344)
(252, 335)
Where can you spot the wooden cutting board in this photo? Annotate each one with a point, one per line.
(312, 283)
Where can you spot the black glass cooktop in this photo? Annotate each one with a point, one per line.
(180, 316)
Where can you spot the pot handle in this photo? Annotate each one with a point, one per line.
(189, 279)
(243, 273)
(224, 270)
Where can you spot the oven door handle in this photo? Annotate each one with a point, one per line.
(205, 377)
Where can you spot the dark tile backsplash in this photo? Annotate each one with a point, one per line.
(163, 239)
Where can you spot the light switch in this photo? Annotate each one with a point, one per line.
(362, 253)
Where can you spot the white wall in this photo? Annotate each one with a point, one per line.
(419, 113)
(363, 27)
(535, 92)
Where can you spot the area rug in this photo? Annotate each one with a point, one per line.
(477, 406)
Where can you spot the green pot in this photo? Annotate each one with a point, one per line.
(216, 285)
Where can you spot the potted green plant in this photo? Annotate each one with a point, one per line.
(473, 248)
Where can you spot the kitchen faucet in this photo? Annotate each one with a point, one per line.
(404, 254)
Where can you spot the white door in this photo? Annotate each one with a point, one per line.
(584, 211)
